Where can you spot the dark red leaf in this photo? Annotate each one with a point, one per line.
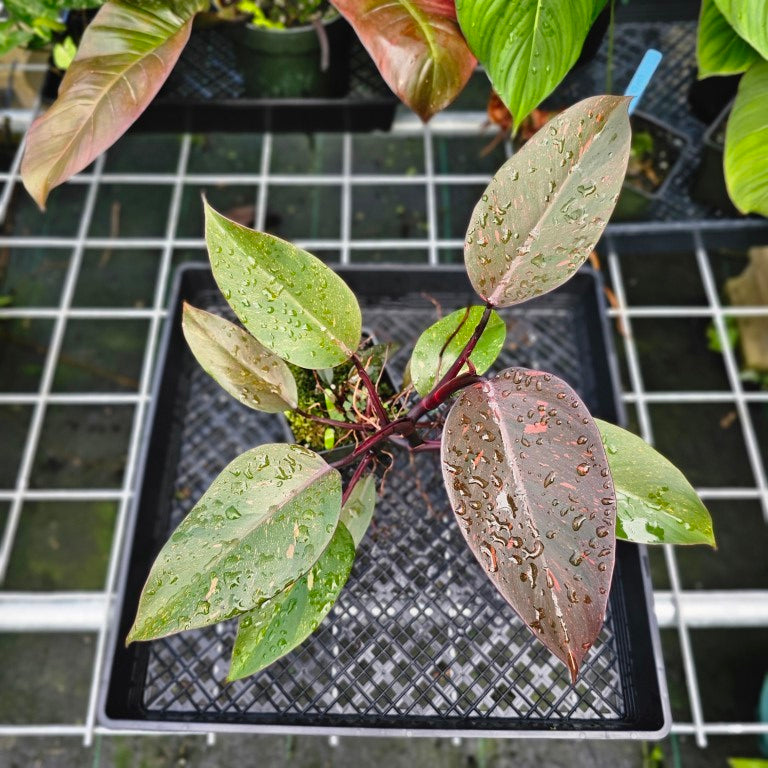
(528, 478)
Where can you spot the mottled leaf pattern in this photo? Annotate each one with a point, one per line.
(284, 622)
(547, 206)
(356, 514)
(417, 46)
(261, 525)
(293, 304)
(245, 369)
(719, 50)
(528, 479)
(746, 139)
(526, 46)
(441, 344)
(655, 504)
(124, 57)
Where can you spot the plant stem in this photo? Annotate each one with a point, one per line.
(373, 395)
(611, 34)
(406, 427)
(356, 477)
(453, 336)
(334, 422)
(428, 445)
(371, 442)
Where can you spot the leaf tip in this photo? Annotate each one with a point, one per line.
(38, 192)
(573, 666)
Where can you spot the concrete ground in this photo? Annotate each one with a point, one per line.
(314, 752)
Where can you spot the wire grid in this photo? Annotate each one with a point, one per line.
(434, 245)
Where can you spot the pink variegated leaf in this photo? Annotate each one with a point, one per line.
(547, 206)
(528, 478)
(125, 56)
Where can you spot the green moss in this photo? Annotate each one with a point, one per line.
(329, 394)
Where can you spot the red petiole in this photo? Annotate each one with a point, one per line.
(407, 427)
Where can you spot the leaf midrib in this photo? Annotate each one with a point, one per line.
(423, 24)
(508, 442)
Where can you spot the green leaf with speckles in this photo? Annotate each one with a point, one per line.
(526, 47)
(356, 514)
(245, 369)
(655, 503)
(286, 298)
(750, 19)
(746, 135)
(275, 628)
(261, 525)
(719, 50)
(546, 207)
(441, 344)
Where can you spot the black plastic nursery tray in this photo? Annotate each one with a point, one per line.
(420, 642)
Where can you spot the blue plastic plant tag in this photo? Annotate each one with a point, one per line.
(642, 77)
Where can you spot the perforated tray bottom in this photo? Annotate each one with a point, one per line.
(419, 637)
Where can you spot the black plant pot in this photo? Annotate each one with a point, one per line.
(419, 642)
(709, 97)
(205, 91)
(709, 185)
(288, 63)
(636, 198)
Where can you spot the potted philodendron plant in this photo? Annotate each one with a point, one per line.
(426, 51)
(540, 489)
(293, 48)
(733, 39)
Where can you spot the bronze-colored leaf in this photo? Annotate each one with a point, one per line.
(125, 56)
(546, 207)
(242, 366)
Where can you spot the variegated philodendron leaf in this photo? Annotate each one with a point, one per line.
(546, 207)
(245, 369)
(357, 512)
(528, 479)
(655, 504)
(290, 301)
(124, 57)
(262, 524)
(441, 344)
(284, 622)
